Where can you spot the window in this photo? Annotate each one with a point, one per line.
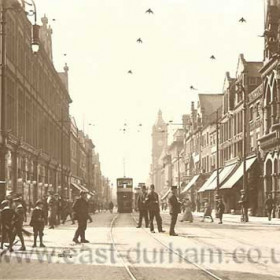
(251, 112)
(252, 81)
(258, 110)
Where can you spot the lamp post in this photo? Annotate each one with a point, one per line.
(244, 197)
(17, 7)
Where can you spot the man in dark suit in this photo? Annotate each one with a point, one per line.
(142, 207)
(80, 209)
(174, 210)
(152, 202)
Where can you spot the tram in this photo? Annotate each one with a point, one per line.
(125, 195)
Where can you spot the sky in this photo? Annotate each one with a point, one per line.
(99, 38)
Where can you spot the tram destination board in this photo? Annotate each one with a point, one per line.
(125, 195)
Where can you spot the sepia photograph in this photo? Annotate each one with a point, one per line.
(140, 139)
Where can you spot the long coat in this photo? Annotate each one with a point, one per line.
(174, 204)
(153, 201)
(141, 201)
(80, 209)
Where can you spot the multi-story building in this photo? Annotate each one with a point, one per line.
(270, 73)
(37, 114)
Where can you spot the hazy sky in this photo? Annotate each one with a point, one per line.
(99, 38)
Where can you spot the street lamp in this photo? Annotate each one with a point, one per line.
(17, 7)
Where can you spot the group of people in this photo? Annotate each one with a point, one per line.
(51, 210)
(13, 215)
(149, 209)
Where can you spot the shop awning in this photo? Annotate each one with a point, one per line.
(223, 175)
(212, 177)
(191, 183)
(76, 187)
(165, 195)
(238, 174)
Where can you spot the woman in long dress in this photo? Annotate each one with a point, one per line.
(187, 216)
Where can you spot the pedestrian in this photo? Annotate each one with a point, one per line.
(244, 206)
(67, 211)
(187, 216)
(80, 209)
(152, 202)
(220, 209)
(23, 203)
(45, 209)
(7, 224)
(52, 210)
(207, 211)
(174, 210)
(18, 222)
(111, 206)
(142, 207)
(37, 222)
(269, 206)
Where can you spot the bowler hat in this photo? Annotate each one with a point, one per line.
(38, 202)
(174, 188)
(4, 203)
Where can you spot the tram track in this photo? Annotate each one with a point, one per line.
(205, 270)
(225, 251)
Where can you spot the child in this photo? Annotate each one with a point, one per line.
(7, 223)
(37, 222)
(19, 218)
(207, 211)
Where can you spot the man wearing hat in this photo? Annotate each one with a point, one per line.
(142, 207)
(244, 206)
(174, 210)
(7, 220)
(37, 222)
(152, 202)
(80, 209)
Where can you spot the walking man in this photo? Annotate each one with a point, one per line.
(207, 211)
(142, 207)
(153, 206)
(174, 210)
(269, 206)
(80, 209)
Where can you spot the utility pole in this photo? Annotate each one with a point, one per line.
(217, 152)
(3, 152)
(179, 179)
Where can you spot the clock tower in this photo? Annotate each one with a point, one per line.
(159, 143)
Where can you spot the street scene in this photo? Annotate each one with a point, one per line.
(140, 139)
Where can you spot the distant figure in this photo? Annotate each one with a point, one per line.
(67, 211)
(111, 206)
(142, 206)
(52, 206)
(207, 211)
(269, 206)
(244, 206)
(174, 210)
(37, 222)
(220, 209)
(188, 211)
(154, 210)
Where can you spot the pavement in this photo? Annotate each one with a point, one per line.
(232, 251)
